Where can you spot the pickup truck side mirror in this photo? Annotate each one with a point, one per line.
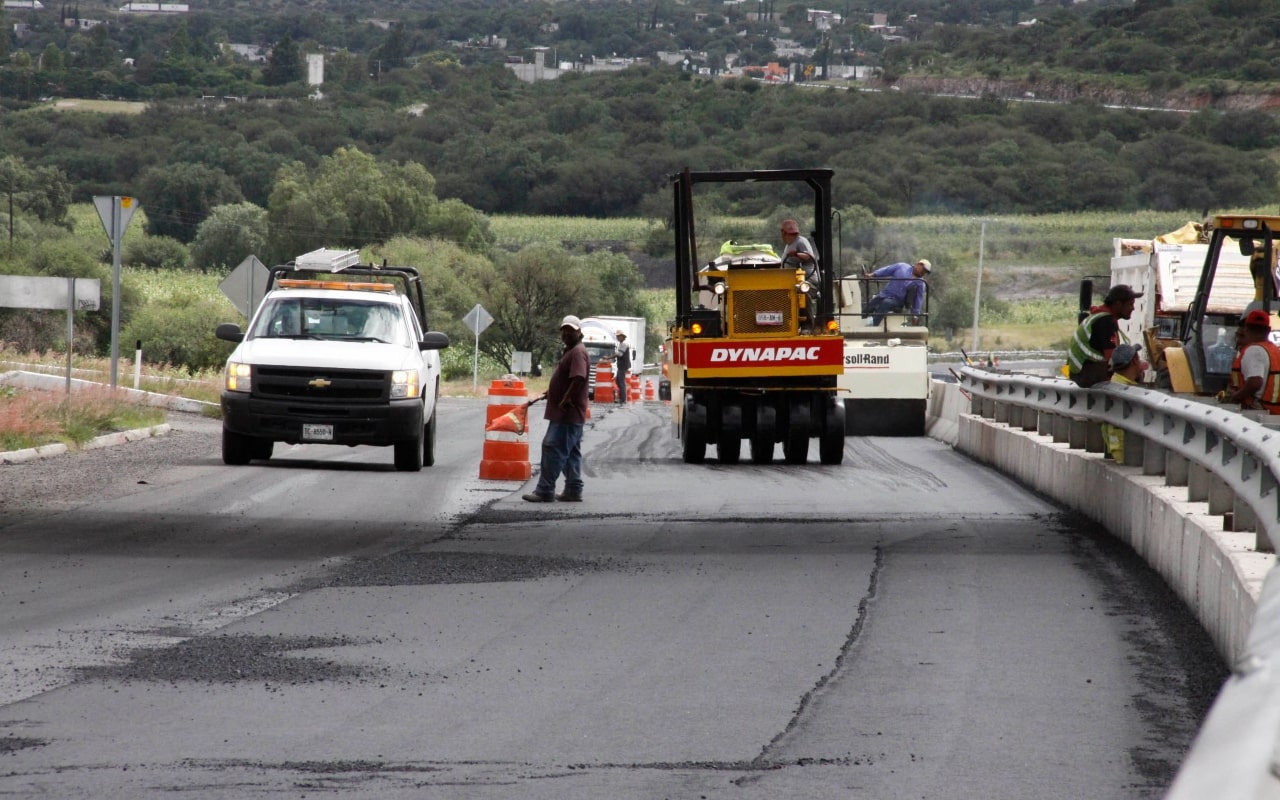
(434, 340)
(229, 331)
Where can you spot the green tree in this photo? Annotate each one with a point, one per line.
(528, 293)
(446, 271)
(620, 284)
(350, 200)
(284, 65)
(14, 178)
(230, 234)
(179, 197)
(180, 331)
(157, 252)
(43, 192)
(101, 52)
(53, 59)
(455, 221)
(392, 53)
(49, 195)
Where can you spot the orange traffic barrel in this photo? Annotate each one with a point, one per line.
(633, 388)
(650, 390)
(504, 395)
(605, 390)
(506, 434)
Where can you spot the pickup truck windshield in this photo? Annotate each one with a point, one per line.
(331, 319)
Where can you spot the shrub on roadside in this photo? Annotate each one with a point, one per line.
(157, 252)
(180, 332)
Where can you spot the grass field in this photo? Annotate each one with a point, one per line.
(100, 106)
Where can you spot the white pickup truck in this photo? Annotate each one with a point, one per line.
(337, 353)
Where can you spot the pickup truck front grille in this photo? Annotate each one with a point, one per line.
(320, 384)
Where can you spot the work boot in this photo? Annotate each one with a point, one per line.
(568, 498)
(534, 497)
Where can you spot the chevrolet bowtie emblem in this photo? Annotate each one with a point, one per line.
(319, 383)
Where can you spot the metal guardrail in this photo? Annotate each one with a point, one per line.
(1163, 432)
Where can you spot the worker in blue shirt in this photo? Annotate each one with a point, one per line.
(905, 285)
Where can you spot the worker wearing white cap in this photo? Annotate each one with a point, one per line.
(566, 415)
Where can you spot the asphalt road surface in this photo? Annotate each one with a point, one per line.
(909, 624)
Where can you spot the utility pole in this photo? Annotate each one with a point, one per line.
(977, 293)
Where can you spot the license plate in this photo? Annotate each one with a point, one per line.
(768, 317)
(318, 433)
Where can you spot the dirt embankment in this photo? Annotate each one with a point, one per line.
(1063, 92)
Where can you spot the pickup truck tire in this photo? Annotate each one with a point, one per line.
(237, 449)
(429, 441)
(409, 452)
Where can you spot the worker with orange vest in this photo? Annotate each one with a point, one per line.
(1258, 364)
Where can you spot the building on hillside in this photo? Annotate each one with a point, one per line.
(708, 17)
(824, 20)
(786, 48)
(154, 8)
(23, 5)
(315, 69)
(851, 72)
(490, 42)
(543, 67)
(81, 24)
(687, 58)
(772, 72)
(253, 53)
(531, 73)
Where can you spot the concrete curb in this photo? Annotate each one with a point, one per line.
(105, 440)
(37, 380)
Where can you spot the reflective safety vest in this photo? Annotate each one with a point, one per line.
(1270, 397)
(1080, 350)
(1271, 386)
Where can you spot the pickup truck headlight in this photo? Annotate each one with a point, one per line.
(238, 377)
(404, 384)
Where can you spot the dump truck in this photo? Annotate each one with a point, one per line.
(1197, 282)
(754, 352)
(635, 329)
(1238, 274)
(601, 345)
